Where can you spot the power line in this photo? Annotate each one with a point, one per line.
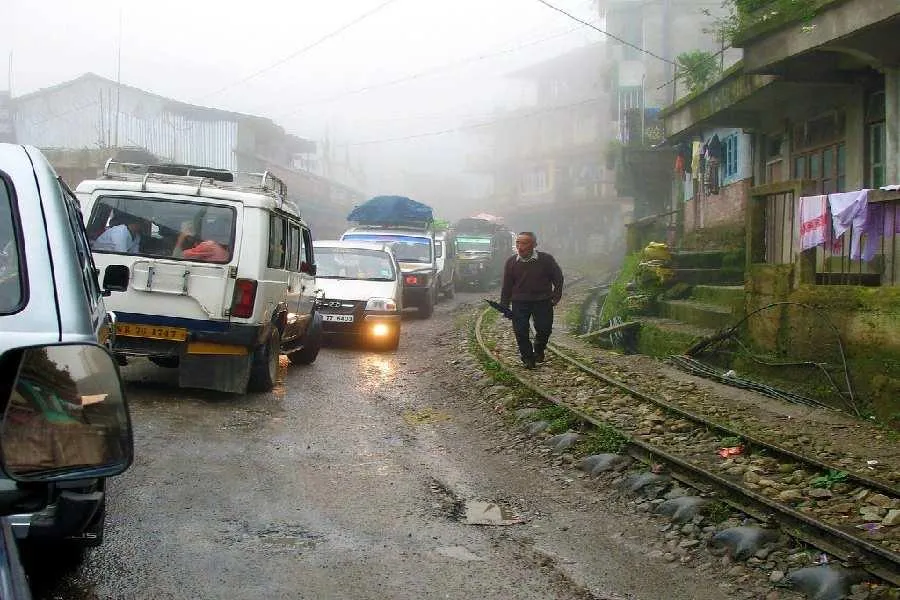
(606, 33)
(475, 125)
(303, 50)
(425, 73)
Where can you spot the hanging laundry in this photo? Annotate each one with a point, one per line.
(813, 221)
(679, 165)
(695, 158)
(849, 210)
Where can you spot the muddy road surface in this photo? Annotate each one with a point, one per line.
(361, 476)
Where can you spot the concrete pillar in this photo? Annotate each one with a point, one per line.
(856, 139)
(892, 124)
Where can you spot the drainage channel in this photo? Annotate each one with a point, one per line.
(878, 560)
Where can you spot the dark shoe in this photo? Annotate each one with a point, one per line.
(539, 355)
(529, 363)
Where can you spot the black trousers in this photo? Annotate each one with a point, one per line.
(542, 313)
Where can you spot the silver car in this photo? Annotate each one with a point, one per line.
(360, 291)
(51, 305)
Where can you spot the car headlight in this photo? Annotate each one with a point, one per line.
(386, 304)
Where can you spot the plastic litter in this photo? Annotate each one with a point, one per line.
(744, 541)
(823, 582)
(732, 451)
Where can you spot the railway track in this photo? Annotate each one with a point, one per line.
(809, 499)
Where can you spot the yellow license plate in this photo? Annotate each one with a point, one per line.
(153, 332)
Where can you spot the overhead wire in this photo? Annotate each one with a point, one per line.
(462, 128)
(425, 72)
(606, 33)
(302, 50)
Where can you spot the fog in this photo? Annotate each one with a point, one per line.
(402, 92)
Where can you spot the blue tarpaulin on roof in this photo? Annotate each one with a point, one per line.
(393, 210)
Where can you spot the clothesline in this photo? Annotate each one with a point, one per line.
(824, 219)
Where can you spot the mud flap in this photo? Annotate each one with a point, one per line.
(221, 373)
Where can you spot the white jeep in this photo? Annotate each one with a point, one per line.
(222, 271)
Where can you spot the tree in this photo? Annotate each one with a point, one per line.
(697, 69)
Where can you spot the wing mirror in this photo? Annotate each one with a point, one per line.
(115, 279)
(66, 417)
(438, 250)
(308, 268)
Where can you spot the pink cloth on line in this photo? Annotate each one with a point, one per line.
(813, 221)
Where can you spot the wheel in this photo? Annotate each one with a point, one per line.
(264, 370)
(426, 309)
(166, 362)
(311, 345)
(394, 341)
(450, 291)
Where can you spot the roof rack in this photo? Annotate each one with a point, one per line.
(200, 176)
(411, 224)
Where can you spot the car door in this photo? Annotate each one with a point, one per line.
(296, 323)
(100, 320)
(307, 277)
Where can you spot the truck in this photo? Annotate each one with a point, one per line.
(482, 247)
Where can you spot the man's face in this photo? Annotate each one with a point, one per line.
(525, 245)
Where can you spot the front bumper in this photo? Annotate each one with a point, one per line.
(352, 318)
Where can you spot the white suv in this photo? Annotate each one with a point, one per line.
(222, 271)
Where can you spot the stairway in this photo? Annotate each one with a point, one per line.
(716, 290)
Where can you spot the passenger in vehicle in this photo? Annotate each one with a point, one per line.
(124, 237)
(216, 239)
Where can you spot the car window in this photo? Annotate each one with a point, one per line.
(161, 227)
(12, 288)
(294, 248)
(277, 239)
(82, 247)
(307, 252)
(407, 248)
(354, 263)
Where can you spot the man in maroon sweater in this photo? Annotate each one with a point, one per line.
(533, 283)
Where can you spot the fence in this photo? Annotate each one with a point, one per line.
(866, 258)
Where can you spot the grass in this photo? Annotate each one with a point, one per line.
(615, 302)
(718, 511)
(603, 439)
(828, 480)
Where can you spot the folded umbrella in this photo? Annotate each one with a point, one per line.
(500, 308)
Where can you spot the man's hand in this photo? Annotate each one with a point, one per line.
(504, 303)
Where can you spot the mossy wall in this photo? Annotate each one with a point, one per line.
(721, 237)
(867, 320)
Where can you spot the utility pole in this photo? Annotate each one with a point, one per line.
(118, 79)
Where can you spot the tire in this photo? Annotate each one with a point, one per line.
(426, 309)
(166, 362)
(393, 342)
(450, 291)
(311, 345)
(264, 370)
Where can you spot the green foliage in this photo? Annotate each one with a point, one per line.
(828, 480)
(615, 301)
(698, 69)
(604, 438)
(718, 511)
(746, 15)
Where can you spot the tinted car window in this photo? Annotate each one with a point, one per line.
(11, 272)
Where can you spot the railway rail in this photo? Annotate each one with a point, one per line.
(764, 485)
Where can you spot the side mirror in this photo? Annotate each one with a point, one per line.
(115, 279)
(438, 250)
(66, 417)
(308, 268)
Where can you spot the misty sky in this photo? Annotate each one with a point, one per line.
(199, 51)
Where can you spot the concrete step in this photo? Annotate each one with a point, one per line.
(730, 296)
(697, 259)
(700, 314)
(721, 276)
(663, 337)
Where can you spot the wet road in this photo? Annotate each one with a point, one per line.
(343, 483)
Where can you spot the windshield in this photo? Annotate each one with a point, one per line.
(473, 244)
(354, 263)
(407, 248)
(10, 280)
(157, 227)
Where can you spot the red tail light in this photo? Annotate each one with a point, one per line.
(244, 298)
(412, 280)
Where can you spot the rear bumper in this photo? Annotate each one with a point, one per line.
(202, 337)
(416, 295)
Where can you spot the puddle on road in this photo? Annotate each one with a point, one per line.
(477, 512)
